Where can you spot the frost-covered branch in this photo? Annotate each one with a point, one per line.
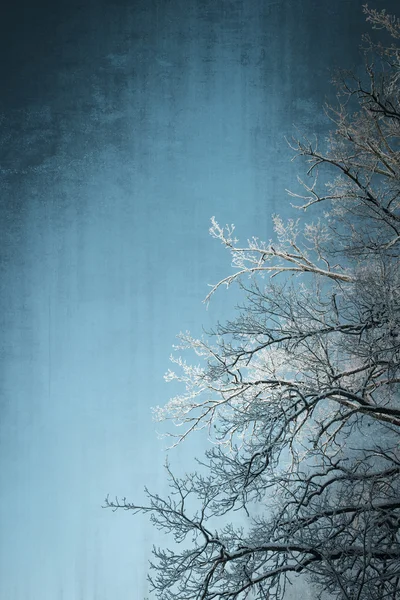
(299, 391)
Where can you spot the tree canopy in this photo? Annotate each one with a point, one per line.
(300, 391)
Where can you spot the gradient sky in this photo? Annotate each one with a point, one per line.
(126, 125)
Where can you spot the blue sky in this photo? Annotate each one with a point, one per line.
(125, 127)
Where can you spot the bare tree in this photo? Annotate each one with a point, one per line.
(300, 391)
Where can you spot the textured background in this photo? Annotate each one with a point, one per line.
(124, 127)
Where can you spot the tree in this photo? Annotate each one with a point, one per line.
(300, 391)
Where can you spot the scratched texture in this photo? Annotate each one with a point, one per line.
(124, 127)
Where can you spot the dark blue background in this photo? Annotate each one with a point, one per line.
(124, 127)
